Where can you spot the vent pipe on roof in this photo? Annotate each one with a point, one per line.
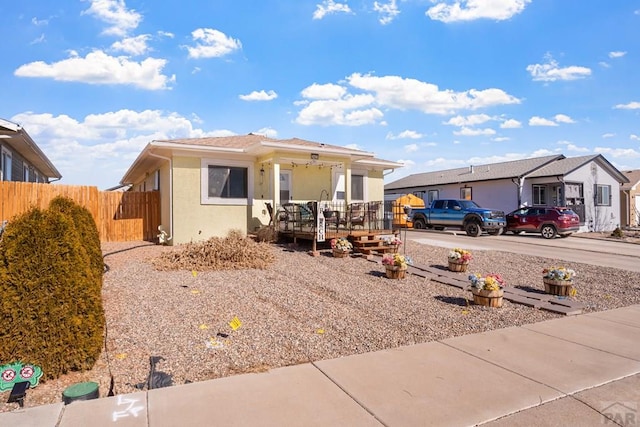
(470, 168)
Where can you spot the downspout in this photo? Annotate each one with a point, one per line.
(519, 184)
(560, 179)
(170, 188)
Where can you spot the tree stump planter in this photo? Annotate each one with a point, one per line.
(558, 287)
(337, 253)
(487, 298)
(395, 271)
(459, 267)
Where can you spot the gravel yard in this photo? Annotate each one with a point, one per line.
(301, 308)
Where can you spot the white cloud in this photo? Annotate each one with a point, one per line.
(618, 152)
(406, 134)
(501, 139)
(539, 121)
(562, 118)
(465, 131)
(550, 71)
(403, 94)
(98, 149)
(617, 54)
(99, 68)
(387, 11)
(635, 105)
(634, 137)
(608, 135)
(268, 132)
(116, 14)
(328, 7)
(211, 43)
(472, 120)
(37, 22)
(604, 64)
(510, 124)
(166, 34)
(349, 110)
(326, 91)
(38, 40)
(570, 146)
(411, 148)
(132, 45)
(259, 96)
(469, 10)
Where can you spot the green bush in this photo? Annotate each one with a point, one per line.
(51, 310)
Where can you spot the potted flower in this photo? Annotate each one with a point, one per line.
(558, 280)
(392, 241)
(341, 247)
(459, 259)
(487, 290)
(396, 265)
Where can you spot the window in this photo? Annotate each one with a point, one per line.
(602, 195)
(465, 193)
(25, 172)
(5, 165)
(228, 183)
(357, 187)
(432, 195)
(539, 194)
(156, 180)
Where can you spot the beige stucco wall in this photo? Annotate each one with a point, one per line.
(192, 220)
(375, 186)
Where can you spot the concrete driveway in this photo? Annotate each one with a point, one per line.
(621, 255)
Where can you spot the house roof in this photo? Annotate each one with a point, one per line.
(14, 135)
(567, 165)
(634, 180)
(486, 172)
(250, 145)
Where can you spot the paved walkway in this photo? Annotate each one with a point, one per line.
(563, 372)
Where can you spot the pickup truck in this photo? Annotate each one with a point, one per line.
(463, 214)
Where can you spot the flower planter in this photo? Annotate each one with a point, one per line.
(557, 287)
(395, 271)
(458, 266)
(337, 253)
(487, 298)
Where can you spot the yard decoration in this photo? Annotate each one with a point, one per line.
(487, 290)
(459, 259)
(558, 281)
(341, 247)
(16, 372)
(396, 265)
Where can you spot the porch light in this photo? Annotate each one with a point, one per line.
(261, 174)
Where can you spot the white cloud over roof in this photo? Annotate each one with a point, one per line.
(116, 14)
(469, 10)
(100, 68)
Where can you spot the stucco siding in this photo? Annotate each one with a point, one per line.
(598, 218)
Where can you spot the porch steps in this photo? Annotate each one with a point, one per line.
(369, 242)
(538, 300)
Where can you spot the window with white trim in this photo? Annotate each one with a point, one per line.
(539, 194)
(602, 195)
(226, 183)
(432, 195)
(5, 165)
(25, 172)
(358, 186)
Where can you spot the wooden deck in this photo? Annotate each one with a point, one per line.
(364, 241)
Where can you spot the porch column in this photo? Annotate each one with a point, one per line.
(275, 184)
(347, 183)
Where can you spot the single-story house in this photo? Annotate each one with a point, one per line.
(590, 185)
(20, 157)
(209, 186)
(630, 200)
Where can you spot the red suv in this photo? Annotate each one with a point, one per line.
(548, 221)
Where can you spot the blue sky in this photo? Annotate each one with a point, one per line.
(435, 84)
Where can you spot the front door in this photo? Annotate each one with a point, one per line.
(285, 186)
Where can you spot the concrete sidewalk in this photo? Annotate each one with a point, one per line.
(562, 372)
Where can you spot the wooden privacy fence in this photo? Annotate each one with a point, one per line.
(119, 216)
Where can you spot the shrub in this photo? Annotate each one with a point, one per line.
(50, 308)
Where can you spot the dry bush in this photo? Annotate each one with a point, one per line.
(267, 234)
(234, 252)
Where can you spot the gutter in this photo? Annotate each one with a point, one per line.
(170, 188)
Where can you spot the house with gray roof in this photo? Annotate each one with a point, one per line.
(630, 200)
(21, 159)
(210, 186)
(590, 185)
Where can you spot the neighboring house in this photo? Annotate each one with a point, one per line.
(590, 185)
(20, 157)
(209, 186)
(630, 200)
